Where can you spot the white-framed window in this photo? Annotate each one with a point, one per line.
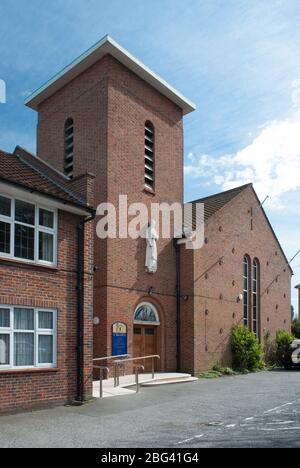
(28, 231)
(28, 338)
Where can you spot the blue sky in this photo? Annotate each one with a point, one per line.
(238, 60)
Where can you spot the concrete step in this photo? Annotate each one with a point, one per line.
(177, 380)
(128, 386)
(159, 378)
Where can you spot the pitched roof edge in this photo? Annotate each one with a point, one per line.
(272, 230)
(81, 202)
(107, 45)
(237, 189)
(25, 150)
(47, 195)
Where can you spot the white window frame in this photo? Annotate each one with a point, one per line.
(37, 229)
(36, 332)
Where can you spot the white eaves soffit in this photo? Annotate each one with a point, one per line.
(108, 46)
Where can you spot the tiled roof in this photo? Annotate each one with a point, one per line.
(28, 171)
(214, 203)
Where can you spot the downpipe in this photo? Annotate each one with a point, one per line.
(80, 307)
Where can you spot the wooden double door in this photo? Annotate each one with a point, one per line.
(145, 344)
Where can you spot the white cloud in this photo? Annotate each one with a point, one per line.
(25, 94)
(271, 162)
(296, 92)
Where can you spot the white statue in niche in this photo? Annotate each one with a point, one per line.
(151, 253)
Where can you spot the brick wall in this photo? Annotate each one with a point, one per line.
(110, 105)
(35, 286)
(214, 303)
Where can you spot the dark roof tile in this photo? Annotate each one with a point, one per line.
(214, 203)
(26, 170)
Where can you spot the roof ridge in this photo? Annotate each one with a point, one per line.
(50, 179)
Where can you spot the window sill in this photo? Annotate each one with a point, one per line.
(149, 191)
(29, 371)
(25, 264)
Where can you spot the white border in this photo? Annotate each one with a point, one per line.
(107, 45)
(36, 332)
(37, 229)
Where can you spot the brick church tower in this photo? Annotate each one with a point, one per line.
(109, 115)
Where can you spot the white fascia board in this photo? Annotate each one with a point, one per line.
(108, 46)
(13, 191)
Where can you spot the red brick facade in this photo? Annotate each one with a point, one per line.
(212, 309)
(110, 105)
(51, 288)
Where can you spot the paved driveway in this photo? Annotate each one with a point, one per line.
(258, 410)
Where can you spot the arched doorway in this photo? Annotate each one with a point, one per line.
(145, 333)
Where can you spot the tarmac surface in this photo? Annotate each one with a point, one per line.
(257, 410)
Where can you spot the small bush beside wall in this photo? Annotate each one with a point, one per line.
(296, 328)
(246, 350)
(283, 341)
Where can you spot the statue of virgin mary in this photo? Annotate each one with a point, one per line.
(151, 253)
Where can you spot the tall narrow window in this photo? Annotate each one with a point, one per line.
(246, 287)
(149, 156)
(5, 225)
(69, 147)
(255, 298)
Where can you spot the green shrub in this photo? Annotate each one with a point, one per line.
(210, 375)
(296, 328)
(284, 338)
(217, 367)
(227, 371)
(217, 371)
(246, 350)
(283, 341)
(270, 350)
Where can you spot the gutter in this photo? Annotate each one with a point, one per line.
(34, 190)
(80, 308)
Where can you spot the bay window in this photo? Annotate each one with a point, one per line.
(27, 231)
(27, 338)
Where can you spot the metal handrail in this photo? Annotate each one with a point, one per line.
(109, 358)
(137, 368)
(139, 358)
(101, 369)
(118, 364)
